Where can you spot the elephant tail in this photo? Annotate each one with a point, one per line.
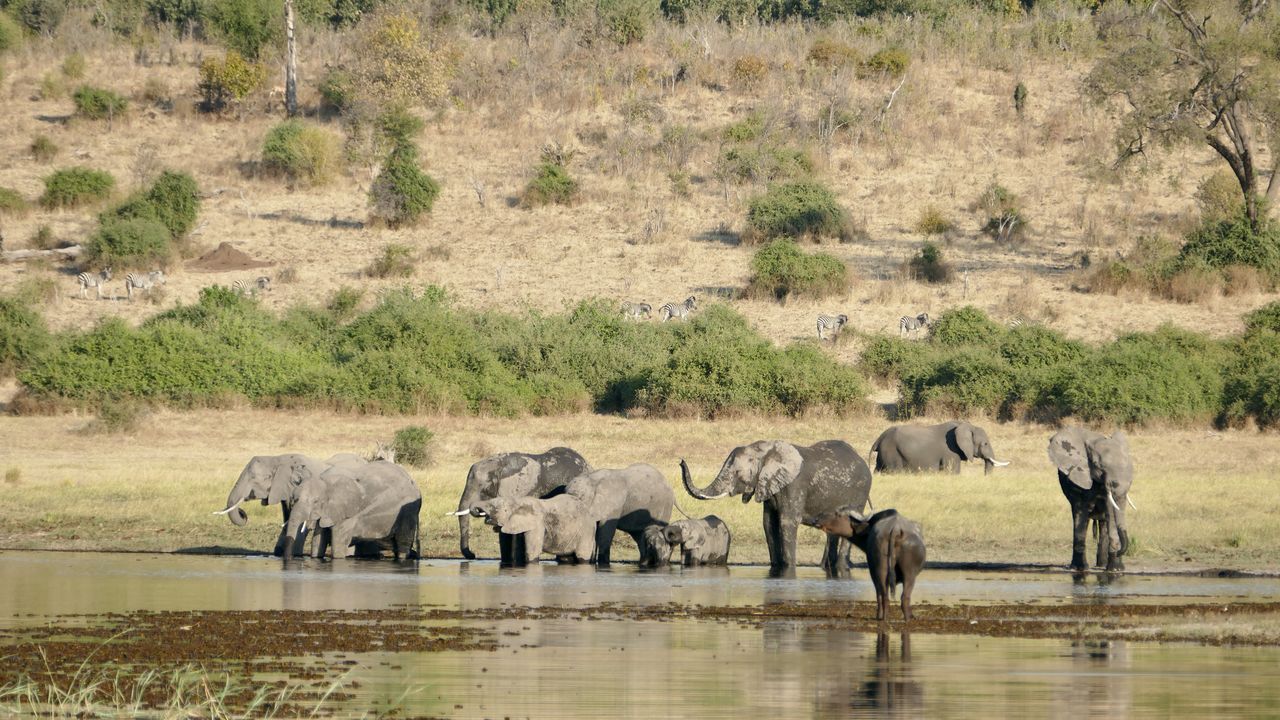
(895, 549)
(681, 511)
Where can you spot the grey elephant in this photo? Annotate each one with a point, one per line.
(793, 482)
(514, 475)
(277, 479)
(1095, 473)
(375, 501)
(933, 447)
(560, 525)
(629, 499)
(704, 541)
(894, 547)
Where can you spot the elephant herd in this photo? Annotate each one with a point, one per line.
(556, 503)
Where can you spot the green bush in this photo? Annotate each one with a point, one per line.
(228, 80)
(12, 203)
(136, 242)
(627, 21)
(246, 26)
(930, 266)
(832, 53)
(932, 222)
(890, 358)
(412, 446)
(176, 200)
(402, 193)
(75, 186)
(10, 33)
(551, 183)
(745, 130)
(41, 17)
(337, 90)
(23, 335)
(891, 61)
(1234, 242)
(98, 103)
(74, 66)
(303, 153)
(395, 261)
(756, 164)
(961, 382)
(1004, 220)
(781, 269)
(398, 126)
(183, 14)
(43, 149)
(1251, 387)
(965, 326)
(1219, 197)
(797, 210)
(1266, 317)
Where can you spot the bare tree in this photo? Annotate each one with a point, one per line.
(291, 63)
(1199, 71)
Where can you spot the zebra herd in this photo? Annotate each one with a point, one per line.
(668, 311)
(146, 281)
(907, 325)
(132, 281)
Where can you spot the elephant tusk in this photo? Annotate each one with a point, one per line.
(223, 512)
(1112, 500)
(460, 513)
(997, 463)
(717, 497)
(303, 529)
(1130, 501)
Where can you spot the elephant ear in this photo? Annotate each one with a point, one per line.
(524, 518)
(962, 437)
(695, 536)
(284, 481)
(517, 476)
(1067, 450)
(780, 466)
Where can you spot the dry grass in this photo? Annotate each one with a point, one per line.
(154, 490)
(951, 130)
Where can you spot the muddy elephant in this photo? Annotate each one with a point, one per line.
(894, 547)
(629, 499)
(514, 475)
(907, 448)
(702, 541)
(560, 525)
(1095, 473)
(793, 482)
(277, 479)
(372, 502)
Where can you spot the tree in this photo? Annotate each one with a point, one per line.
(291, 63)
(1199, 71)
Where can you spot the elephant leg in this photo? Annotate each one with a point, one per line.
(604, 540)
(771, 536)
(505, 551)
(879, 580)
(831, 555)
(1104, 541)
(1080, 528)
(787, 540)
(341, 541)
(908, 582)
(532, 547)
(322, 538)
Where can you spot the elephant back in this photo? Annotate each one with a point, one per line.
(837, 476)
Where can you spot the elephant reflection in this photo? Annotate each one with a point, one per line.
(890, 686)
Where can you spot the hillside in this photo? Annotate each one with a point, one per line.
(950, 131)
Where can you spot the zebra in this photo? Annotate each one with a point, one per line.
(678, 310)
(1015, 323)
(94, 280)
(137, 281)
(260, 283)
(636, 311)
(908, 325)
(833, 324)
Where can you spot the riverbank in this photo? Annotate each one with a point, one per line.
(1204, 499)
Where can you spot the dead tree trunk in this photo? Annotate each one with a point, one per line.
(291, 63)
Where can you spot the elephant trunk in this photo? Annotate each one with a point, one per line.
(711, 492)
(239, 494)
(464, 519)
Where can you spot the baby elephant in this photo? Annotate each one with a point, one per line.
(895, 551)
(702, 542)
(559, 525)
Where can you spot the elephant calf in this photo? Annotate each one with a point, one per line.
(560, 525)
(702, 542)
(895, 551)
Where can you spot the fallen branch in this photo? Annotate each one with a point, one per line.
(67, 253)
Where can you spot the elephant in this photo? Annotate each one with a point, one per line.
(793, 482)
(629, 499)
(372, 501)
(560, 525)
(1095, 473)
(933, 447)
(894, 547)
(277, 479)
(704, 541)
(514, 475)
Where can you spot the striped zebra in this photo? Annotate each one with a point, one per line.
(678, 310)
(137, 281)
(908, 325)
(636, 311)
(832, 324)
(94, 280)
(262, 283)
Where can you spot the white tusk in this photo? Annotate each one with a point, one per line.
(1112, 500)
(460, 513)
(716, 497)
(224, 512)
(1130, 501)
(997, 463)
(303, 529)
